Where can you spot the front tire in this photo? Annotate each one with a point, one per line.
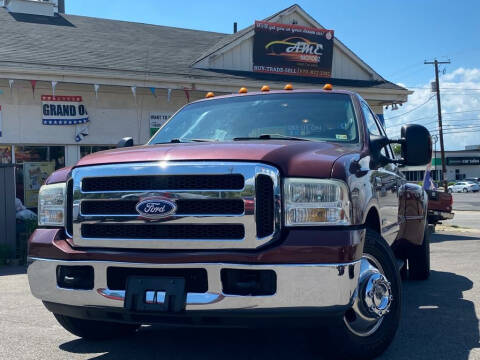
(465, 190)
(95, 330)
(419, 258)
(351, 341)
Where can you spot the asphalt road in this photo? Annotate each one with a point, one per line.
(440, 321)
(465, 219)
(468, 201)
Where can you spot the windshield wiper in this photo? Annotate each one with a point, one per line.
(183, 140)
(270, 137)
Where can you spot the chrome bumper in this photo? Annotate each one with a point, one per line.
(298, 286)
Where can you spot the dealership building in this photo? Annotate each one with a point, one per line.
(460, 164)
(71, 85)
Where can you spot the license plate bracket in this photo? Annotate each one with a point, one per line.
(169, 294)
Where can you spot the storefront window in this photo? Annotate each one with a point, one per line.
(87, 150)
(33, 164)
(5, 154)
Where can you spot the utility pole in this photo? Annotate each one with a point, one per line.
(440, 128)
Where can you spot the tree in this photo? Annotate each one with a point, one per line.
(397, 150)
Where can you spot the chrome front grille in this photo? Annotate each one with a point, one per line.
(220, 205)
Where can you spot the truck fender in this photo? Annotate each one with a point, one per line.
(412, 212)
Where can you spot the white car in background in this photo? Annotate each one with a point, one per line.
(464, 186)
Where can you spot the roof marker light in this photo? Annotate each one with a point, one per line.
(327, 87)
(265, 88)
(243, 90)
(288, 87)
(209, 95)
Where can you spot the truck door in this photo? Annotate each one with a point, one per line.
(386, 182)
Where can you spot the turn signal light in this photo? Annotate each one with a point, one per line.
(327, 87)
(288, 87)
(265, 88)
(209, 95)
(243, 90)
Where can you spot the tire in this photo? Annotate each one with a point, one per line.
(419, 259)
(345, 343)
(465, 190)
(95, 330)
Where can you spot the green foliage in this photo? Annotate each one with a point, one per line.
(397, 149)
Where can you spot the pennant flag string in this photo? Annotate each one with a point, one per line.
(187, 94)
(10, 84)
(152, 90)
(134, 92)
(54, 85)
(34, 84)
(96, 87)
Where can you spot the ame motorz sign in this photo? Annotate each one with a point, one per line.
(292, 50)
(63, 110)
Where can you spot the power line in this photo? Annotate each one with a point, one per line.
(409, 111)
(431, 122)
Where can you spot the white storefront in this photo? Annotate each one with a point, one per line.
(460, 164)
(131, 77)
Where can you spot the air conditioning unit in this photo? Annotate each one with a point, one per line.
(33, 7)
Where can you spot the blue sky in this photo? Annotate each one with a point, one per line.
(393, 37)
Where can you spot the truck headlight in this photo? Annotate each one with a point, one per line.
(316, 202)
(51, 205)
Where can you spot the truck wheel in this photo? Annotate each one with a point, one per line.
(419, 259)
(368, 328)
(95, 330)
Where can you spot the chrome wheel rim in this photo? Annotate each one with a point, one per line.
(373, 299)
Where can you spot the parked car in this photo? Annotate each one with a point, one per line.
(464, 186)
(476, 180)
(300, 212)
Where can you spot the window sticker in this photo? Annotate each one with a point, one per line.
(341, 137)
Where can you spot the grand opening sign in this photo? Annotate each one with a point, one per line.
(292, 50)
(63, 110)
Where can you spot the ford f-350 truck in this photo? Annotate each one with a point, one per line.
(255, 206)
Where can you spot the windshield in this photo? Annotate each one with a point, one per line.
(309, 116)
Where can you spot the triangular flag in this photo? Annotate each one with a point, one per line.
(187, 94)
(134, 92)
(169, 94)
(152, 90)
(54, 85)
(10, 84)
(34, 84)
(96, 87)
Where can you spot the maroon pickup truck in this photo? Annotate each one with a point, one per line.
(439, 206)
(247, 208)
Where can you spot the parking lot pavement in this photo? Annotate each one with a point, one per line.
(465, 219)
(440, 321)
(467, 201)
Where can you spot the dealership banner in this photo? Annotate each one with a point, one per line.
(63, 110)
(292, 50)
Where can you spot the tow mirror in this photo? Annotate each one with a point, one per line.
(125, 142)
(416, 145)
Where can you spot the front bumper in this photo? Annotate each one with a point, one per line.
(329, 287)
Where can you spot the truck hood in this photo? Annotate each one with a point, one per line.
(293, 158)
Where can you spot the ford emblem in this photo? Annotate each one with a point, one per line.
(156, 208)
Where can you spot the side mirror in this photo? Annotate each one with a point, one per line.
(125, 142)
(416, 145)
